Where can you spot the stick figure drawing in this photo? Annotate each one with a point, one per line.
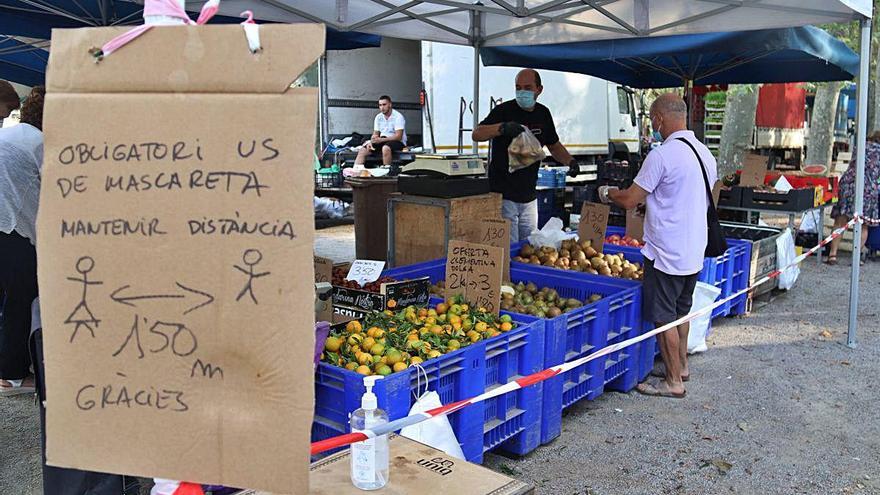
(82, 316)
(251, 258)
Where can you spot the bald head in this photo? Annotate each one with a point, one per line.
(528, 87)
(669, 114)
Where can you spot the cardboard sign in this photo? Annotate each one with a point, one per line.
(323, 270)
(407, 293)
(365, 271)
(358, 299)
(594, 222)
(635, 224)
(173, 241)
(474, 270)
(492, 232)
(754, 171)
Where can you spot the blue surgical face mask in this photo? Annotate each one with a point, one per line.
(656, 135)
(525, 99)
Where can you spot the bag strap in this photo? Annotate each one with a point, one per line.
(702, 169)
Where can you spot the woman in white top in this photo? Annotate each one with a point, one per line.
(21, 158)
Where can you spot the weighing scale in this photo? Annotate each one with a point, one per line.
(445, 166)
(444, 176)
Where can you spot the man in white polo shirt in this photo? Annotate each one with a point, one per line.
(672, 185)
(389, 135)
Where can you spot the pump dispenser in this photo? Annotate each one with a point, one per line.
(369, 459)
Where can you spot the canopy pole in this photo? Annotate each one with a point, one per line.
(861, 142)
(476, 108)
(477, 36)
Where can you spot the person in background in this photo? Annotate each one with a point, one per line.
(845, 208)
(389, 135)
(9, 100)
(505, 122)
(21, 159)
(671, 182)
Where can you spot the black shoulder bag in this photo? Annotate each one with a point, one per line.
(716, 244)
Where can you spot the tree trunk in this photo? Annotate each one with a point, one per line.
(822, 124)
(739, 124)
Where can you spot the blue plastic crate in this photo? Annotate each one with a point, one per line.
(454, 376)
(551, 177)
(551, 203)
(717, 271)
(616, 317)
(569, 336)
(511, 422)
(742, 261)
(631, 253)
(873, 242)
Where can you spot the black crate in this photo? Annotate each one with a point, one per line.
(730, 197)
(616, 170)
(795, 200)
(328, 180)
(590, 194)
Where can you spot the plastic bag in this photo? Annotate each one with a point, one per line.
(551, 234)
(435, 432)
(785, 254)
(524, 150)
(810, 222)
(704, 295)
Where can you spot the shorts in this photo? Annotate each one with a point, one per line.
(396, 147)
(666, 298)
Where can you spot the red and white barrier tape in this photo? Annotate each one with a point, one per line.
(349, 438)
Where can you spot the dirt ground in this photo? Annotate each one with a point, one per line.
(778, 405)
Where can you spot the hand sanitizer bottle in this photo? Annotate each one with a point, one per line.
(369, 459)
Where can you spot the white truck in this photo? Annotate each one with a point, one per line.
(589, 113)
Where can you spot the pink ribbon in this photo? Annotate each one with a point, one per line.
(167, 8)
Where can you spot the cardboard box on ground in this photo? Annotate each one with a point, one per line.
(415, 468)
(174, 240)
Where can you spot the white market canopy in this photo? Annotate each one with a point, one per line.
(530, 22)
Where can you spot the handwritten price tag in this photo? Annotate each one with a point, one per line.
(594, 222)
(365, 271)
(494, 232)
(323, 270)
(474, 270)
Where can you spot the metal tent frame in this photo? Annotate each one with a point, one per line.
(480, 23)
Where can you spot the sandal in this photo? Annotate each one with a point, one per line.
(16, 387)
(652, 390)
(832, 260)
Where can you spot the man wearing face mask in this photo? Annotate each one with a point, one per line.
(505, 122)
(674, 182)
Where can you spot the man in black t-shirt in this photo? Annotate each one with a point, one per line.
(502, 125)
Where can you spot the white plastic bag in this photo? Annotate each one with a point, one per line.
(704, 295)
(785, 254)
(524, 150)
(551, 234)
(435, 432)
(810, 222)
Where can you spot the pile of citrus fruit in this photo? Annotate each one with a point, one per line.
(387, 342)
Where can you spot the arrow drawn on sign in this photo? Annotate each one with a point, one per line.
(128, 300)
